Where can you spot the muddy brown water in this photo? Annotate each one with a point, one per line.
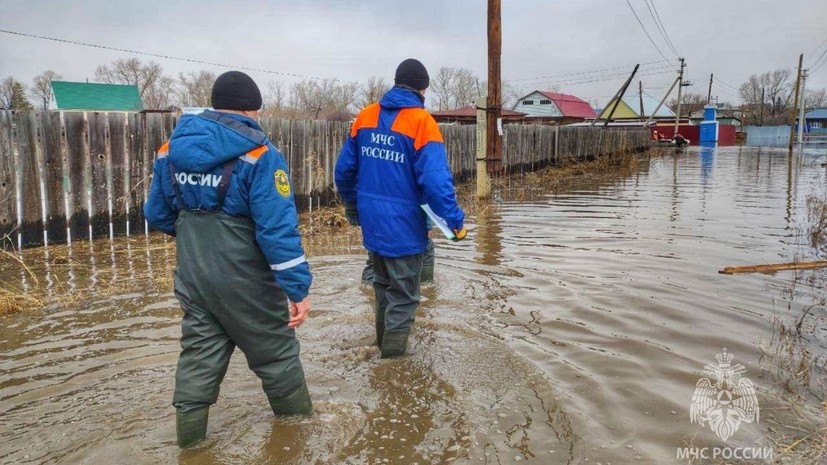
(571, 328)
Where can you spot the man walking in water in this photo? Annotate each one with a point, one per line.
(221, 188)
(394, 161)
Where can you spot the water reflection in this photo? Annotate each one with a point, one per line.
(573, 326)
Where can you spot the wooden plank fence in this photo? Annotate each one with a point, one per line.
(68, 176)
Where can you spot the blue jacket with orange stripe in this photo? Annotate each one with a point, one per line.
(394, 161)
(259, 188)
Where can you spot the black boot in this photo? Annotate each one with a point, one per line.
(191, 426)
(296, 403)
(379, 317)
(394, 344)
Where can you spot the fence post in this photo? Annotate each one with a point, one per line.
(483, 181)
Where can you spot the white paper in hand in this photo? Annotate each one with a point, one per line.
(439, 222)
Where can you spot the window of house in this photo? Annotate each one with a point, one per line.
(528, 102)
(545, 102)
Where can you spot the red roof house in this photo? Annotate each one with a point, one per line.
(555, 107)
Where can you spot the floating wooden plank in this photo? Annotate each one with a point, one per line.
(119, 171)
(775, 267)
(99, 164)
(77, 167)
(8, 184)
(56, 182)
(31, 226)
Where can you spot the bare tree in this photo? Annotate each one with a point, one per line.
(777, 90)
(455, 88)
(510, 95)
(815, 98)
(13, 95)
(160, 95)
(195, 89)
(327, 98)
(690, 103)
(372, 91)
(156, 90)
(275, 100)
(41, 90)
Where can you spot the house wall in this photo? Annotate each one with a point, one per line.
(545, 110)
(622, 112)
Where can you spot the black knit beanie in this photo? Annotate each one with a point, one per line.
(412, 73)
(235, 90)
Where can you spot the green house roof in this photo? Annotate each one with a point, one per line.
(92, 96)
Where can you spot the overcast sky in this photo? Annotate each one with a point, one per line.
(352, 40)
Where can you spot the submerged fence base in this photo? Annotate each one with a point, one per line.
(68, 176)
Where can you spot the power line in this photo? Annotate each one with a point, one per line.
(660, 27)
(645, 31)
(596, 71)
(158, 55)
(820, 61)
(610, 78)
(724, 84)
(817, 48)
(668, 40)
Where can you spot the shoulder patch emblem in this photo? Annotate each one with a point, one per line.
(282, 183)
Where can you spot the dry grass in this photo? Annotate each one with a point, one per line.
(14, 301)
(817, 212)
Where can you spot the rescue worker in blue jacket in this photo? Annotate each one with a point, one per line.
(222, 189)
(393, 162)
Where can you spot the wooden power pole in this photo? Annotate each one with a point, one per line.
(709, 94)
(640, 93)
(795, 105)
(494, 146)
(680, 86)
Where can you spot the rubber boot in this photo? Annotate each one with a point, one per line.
(395, 344)
(380, 325)
(191, 426)
(296, 403)
(427, 275)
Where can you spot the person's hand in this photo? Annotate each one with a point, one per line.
(352, 214)
(459, 234)
(298, 313)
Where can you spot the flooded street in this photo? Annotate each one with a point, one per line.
(571, 328)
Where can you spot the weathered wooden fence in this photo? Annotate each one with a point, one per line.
(68, 176)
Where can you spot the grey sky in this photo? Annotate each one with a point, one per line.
(353, 40)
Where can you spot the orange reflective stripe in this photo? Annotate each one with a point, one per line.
(417, 124)
(255, 153)
(368, 118)
(164, 148)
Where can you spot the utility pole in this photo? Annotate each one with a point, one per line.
(795, 105)
(801, 122)
(615, 101)
(494, 145)
(709, 95)
(660, 104)
(619, 96)
(680, 87)
(761, 121)
(640, 90)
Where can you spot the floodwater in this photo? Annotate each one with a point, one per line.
(571, 328)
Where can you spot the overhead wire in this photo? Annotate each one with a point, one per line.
(815, 50)
(163, 56)
(646, 32)
(668, 39)
(596, 71)
(661, 28)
